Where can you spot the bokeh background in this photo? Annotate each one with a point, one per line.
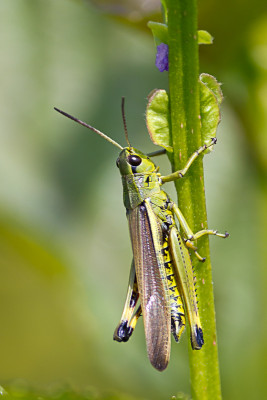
(64, 247)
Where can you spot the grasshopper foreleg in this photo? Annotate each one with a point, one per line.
(181, 173)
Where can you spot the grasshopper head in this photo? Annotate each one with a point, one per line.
(132, 161)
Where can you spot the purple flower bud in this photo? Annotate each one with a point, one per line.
(162, 57)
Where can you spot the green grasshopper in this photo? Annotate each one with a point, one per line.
(161, 273)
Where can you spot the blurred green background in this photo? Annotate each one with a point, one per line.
(64, 248)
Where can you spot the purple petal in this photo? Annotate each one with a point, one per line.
(162, 57)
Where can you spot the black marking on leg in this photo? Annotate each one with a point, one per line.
(170, 277)
(142, 208)
(134, 299)
(172, 288)
(167, 203)
(167, 264)
(165, 250)
(123, 333)
(198, 335)
(165, 228)
(169, 220)
(173, 330)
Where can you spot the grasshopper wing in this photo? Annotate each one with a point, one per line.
(147, 240)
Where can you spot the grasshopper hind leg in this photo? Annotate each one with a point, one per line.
(185, 278)
(129, 318)
(124, 330)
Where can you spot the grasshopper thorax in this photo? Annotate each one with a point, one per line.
(132, 161)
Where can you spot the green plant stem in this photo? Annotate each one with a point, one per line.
(186, 137)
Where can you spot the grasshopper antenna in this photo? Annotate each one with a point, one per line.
(89, 127)
(124, 121)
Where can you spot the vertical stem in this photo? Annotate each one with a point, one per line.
(186, 137)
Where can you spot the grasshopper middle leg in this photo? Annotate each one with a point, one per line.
(190, 236)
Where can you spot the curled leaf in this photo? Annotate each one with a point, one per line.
(157, 118)
(210, 98)
(158, 114)
(159, 31)
(204, 37)
(213, 85)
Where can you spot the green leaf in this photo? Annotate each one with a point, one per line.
(181, 396)
(157, 113)
(204, 37)
(157, 118)
(210, 98)
(213, 85)
(159, 31)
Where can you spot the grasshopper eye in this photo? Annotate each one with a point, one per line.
(117, 162)
(134, 160)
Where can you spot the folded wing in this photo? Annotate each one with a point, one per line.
(147, 241)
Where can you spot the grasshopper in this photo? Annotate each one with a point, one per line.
(161, 272)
